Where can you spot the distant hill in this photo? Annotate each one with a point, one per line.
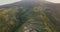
(32, 3)
(22, 3)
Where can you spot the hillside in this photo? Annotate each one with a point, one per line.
(36, 15)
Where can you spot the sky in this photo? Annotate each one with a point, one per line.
(2, 2)
(54, 1)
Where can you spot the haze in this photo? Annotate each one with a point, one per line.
(54, 1)
(2, 2)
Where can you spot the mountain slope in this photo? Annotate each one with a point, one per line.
(52, 10)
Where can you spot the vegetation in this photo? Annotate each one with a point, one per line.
(20, 19)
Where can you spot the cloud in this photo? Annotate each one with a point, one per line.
(55, 1)
(2, 2)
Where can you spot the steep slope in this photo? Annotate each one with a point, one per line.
(52, 10)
